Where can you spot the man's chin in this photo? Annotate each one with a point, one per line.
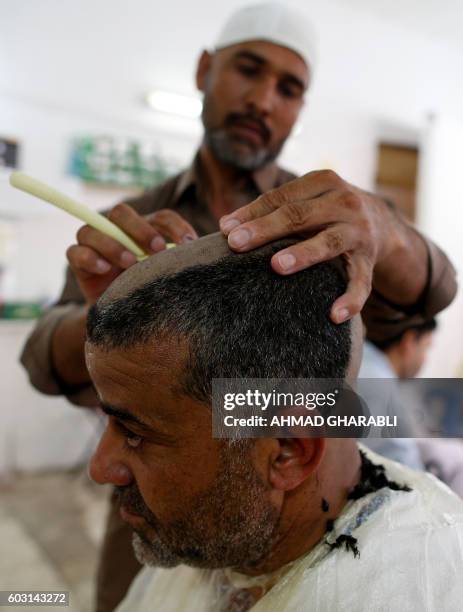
(149, 554)
(243, 158)
(146, 553)
(239, 152)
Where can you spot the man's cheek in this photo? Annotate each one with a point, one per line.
(282, 124)
(165, 498)
(233, 90)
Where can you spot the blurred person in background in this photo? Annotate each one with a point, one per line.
(403, 357)
(254, 84)
(399, 357)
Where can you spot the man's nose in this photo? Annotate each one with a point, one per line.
(262, 95)
(106, 466)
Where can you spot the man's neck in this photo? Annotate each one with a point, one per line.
(304, 516)
(225, 188)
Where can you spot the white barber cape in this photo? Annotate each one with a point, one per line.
(411, 559)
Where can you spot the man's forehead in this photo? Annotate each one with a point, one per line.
(154, 361)
(141, 379)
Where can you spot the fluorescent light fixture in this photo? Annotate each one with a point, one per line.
(175, 104)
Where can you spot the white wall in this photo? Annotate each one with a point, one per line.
(441, 198)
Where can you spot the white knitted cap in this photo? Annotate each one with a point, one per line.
(275, 23)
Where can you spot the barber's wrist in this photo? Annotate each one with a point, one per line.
(401, 272)
(392, 234)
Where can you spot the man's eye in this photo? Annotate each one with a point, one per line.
(248, 70)
(133, 440)
(288, 91)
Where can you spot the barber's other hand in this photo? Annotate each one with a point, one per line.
(97, 259)
(337, 218)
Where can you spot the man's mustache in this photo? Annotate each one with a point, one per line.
(255, 120)
(130, 498)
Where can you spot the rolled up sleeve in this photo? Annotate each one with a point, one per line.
(36, 355)
(385, 320)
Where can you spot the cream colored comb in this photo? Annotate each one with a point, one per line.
(90, 217)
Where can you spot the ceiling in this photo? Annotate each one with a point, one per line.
(440, 20)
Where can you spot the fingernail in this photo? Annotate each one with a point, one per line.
(127, 259)
(342, 315)
(228, 225)
(102, 266)
(187, 238)
(157, 244)
(286, 261)
(239, 238)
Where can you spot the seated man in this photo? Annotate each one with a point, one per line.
(399, 357)
(268, 524)
(402, 357)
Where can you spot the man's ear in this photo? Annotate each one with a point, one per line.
(294, 461)
(202, 70)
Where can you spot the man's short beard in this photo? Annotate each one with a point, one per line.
(233, 524)
(227, 148)
(222, 147)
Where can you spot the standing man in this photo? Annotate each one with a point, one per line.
(254, 84)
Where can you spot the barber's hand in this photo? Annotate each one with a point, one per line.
(338, 220)
(97, 259)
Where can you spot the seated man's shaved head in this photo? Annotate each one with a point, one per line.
(156, 339)
(238, 317)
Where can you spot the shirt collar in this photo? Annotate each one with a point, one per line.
(263, 179)
(266, 178)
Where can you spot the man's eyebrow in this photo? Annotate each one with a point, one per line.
(259, 59)
(124, 415)
(250, 55)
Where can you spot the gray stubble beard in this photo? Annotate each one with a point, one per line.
(221, 146)
(217, 535)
